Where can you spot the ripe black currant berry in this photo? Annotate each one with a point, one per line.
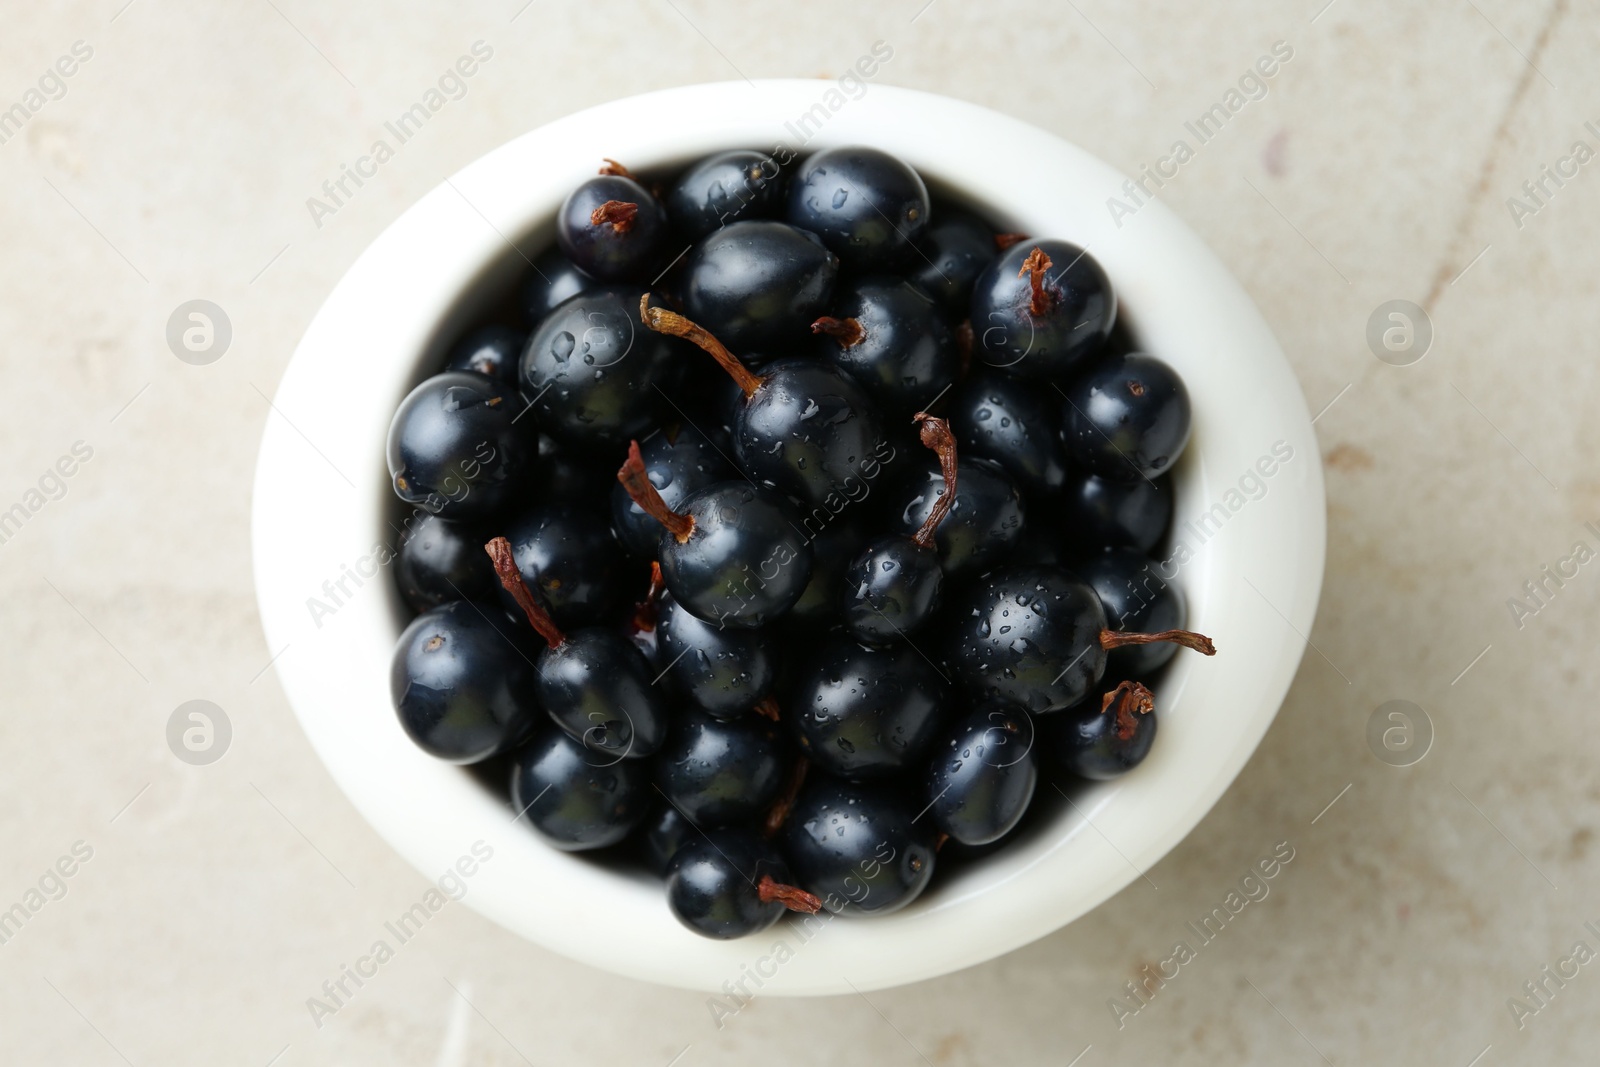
(462, 683)
(893, 340)
(859, 847)
(594, 682)
(730, 883)
(440, 561)
(1126, 417)
(719, 772)
(679, 460)
(982, 778)
(567, 554)
(1041, 309)
(575, 799)
(453, 448)
(612, 228)
(1105, 736)
(725, 188)
(893, 586)
(722, 670)
(490, 350)
(865, 713)
(733, 555)
(758, 285)
(867, 206)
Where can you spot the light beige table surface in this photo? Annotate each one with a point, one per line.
(1378, 166)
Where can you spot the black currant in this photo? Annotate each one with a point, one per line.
(725, 188)
(491, 350)
(732, 555)
(984, 524)
(1126, 417)
(678, 460)
(892, 339)
(462, 683)
(551, 281)
(724, 671)
(440, 561)
(1013, 423)
(867, 206)
(953, 251)
(718, 772)
(567, 554)
(982, 778)
(892, 587)
(613, 229)
(592, 371)
(758, 285)
(594, 682)
(454, 448)
(1105, 736)
(575, 799)
(729, 883)
(1040, 309)
(860, 848)
(1137, 600)
(863, 713)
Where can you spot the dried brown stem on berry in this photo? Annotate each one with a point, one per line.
(619, 213)
(778, 814)
(1110, 639)
(505, 568)
(939, 841)
(1003, 241)
(766, 707)
(636, 483)
(937, 436)
(675, 325)
(1129, 699)
(790, 896)
(1034, 267)
(644, 613)
(612, 169)
(848, 332)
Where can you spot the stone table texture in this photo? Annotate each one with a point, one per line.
(1385, 160)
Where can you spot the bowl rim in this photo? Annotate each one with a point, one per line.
(416, 285)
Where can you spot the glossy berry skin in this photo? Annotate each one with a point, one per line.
(867, 206)
(746, 562)
(865, 713)
(758, 285)
(984, 525)
(1028, 636)
(596, 685)
(453, 449)
(725, 188)
(591, 369)
(575, 799)
(440, 561)
(551, 281)
(1049, 347)
(665, 830)
(907, 353)
(462, 684)
(722, 771)
(982, 778)
(832, 549)
(603, 251)
(1095, 511)
(567, 555)
(1013, 423)
(859, 847)
(810, 432)
(723, 671)
(1085, 741)
(890, 588)
(1126, 417)
(955, 249)
(1135, 600)
(680, 460)
(712, 880)
(491, 350)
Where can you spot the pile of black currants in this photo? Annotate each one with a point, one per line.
(786, 529)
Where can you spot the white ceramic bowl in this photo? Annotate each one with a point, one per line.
(322, 497)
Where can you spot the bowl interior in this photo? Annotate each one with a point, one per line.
(457, 255)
